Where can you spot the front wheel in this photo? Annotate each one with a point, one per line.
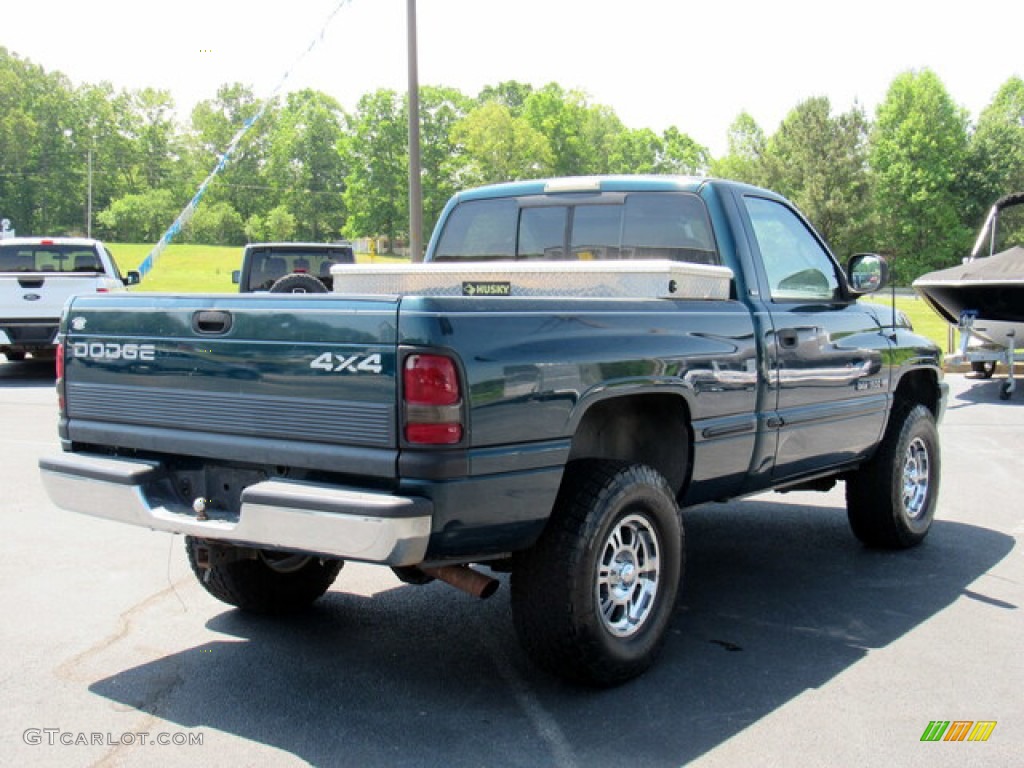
(260, 581)
(890, 501)
(593, 598)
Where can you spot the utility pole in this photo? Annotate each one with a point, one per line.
(415, 187)
(68, 133)
(88, 205)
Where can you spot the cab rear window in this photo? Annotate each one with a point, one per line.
(639, 225)
(271, 264)
(49, 258)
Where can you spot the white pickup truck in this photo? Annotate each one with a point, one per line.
(39, 274)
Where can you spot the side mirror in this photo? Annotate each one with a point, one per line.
(132, 278)
(867, 273)
(236, 276)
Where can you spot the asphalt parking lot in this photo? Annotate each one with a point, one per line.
(793, 645)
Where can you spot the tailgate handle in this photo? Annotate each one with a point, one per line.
(211, 322)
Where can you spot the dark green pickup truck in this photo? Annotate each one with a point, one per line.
(576, 361)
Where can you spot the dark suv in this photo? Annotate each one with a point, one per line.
(266, 265)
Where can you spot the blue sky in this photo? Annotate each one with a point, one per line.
(695, 65)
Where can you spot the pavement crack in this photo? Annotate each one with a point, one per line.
(125, 624)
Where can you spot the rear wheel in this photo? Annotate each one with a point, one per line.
(593, 598)
(260, 581)
(891, 500)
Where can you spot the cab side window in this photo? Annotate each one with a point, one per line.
(798, 267)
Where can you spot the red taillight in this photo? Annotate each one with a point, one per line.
(431, 380)
(59, 361)
(433, 400)
(433, 434)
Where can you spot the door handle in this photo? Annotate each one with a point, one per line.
(788, 338)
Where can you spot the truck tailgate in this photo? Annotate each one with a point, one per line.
(40, 294)
(304, 380)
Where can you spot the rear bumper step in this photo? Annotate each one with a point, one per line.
(304, 517)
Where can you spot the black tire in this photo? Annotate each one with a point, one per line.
(1005, 391)
(592, 600)
(891, 500)
(273, 582)
(984, 370)
(298, 282)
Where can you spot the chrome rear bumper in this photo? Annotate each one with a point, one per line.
(314, 518)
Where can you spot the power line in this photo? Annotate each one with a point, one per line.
(189, 210)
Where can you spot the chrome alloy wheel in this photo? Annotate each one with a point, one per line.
(916, 475)
(628, 575)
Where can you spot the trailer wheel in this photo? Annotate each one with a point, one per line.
(264, 581)
(891, 500)
(984, 369)
(298, 282)
(592, 600)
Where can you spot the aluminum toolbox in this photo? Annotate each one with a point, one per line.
(654, 279)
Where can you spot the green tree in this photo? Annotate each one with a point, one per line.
(440, 111)
(820, 163)
(581, 137)
(99, 150)
(214, 123)
(917, 147)
(306, 169)
(636, 151)
(511, 93)
(155, 136)
(375, 150)
(995, 154)
(38, 189)
(681, 154)
(495, 146)
(278, 225)
(138, 218)
(744, 160)
(216, 224)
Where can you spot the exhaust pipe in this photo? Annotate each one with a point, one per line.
(465, 578)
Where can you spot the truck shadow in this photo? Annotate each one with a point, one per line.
(779, 599)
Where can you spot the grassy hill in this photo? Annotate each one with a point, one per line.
(182, 268)
(207, 269)
(192, 268)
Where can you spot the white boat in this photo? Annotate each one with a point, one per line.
(984, 298)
